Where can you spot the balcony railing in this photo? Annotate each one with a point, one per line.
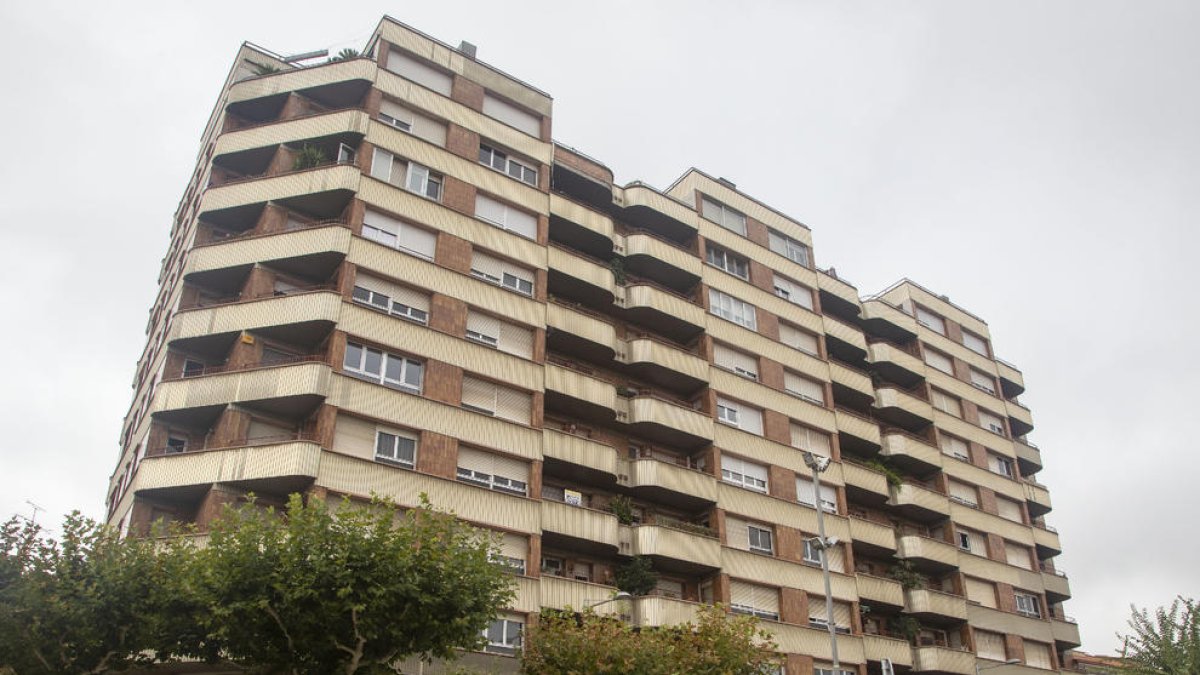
(222, 301)
(247, 443)
(220, 236)
(226, 368)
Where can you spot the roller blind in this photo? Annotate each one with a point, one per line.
(991, 422)
(418, 71)
(983, 381)
(483, 327)
(963, 492)
(974, 343)
(837, 563)
(492, 464)
(940, 361)
(1017, 555)
(429, 129)
(793, 292)
(514, 546)
(1009, 509)
(930, 320)
(402, 235)
(739, 362)
(737, 533)
(817, 612)
(741, 466)
(809, 390)
(354, 436)
(804, 493)
(816, 442)
(798, 339)
(504, 216)
(743, 416)
(512, 115)
(516, 340)
(980, 591)
(762, 598)
(397, 112)
(947, 403)
(990, 645)
(1037, 654)
(479, 394)
(395, 292)
(514, 405)
(955, 447)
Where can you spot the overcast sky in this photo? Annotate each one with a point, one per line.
(1038, 162)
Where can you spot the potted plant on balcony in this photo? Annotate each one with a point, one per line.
(309, 157)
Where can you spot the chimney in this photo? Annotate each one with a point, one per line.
(727, 183)
(467, 49)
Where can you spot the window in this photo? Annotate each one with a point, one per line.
(412, 68)
(391, 298)
(761, 539)
(1028, 604)
(552, 566)
(501, 273)
(748, 536)
(990, 645)
(493, 399)
(969, 540)
(1037, 655)
(794, 292)
(728, 307)
(1000, 465)
(504, 635)
(975, 343)
(806, 496)
(991, 422)
(939, 360)
(1017, 555)
(346, 154)
(808, 389)
(739, 362)
(506, 337)
(505, 217)
(739, 415)
(930, 320)
(954, 446)
(1009, 509)
(828, 670)
(387, 369)
(512, 115)
(723, 216)
(812, 554)
(398, 234)
(730, 262)
(175, 444)
(396, 115)
(395, 448)
(492, 471)
(982, 381)
(981, 592)
(963, 493)
(818, 615)
(787, 247)
(404, 174)
(192, 368)
(513, 551)
(947, 403)
(797, 338)
(806, 438)
(500, 161)
(744, 474)
(755, 600)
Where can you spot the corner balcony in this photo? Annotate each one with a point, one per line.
(903, 408)
(1065, 631)
(919, 503)
(319, 247)
(910, 452)
(857, 430)
(323, 189)
(580, 524)
(943, 660)
(1057, 588)
(1029, 457)
(1020, 420)
(880, 590)
(666, 422)
(843, 339)
(662, 310)
(878, 647)
(275, 467)
(935, 606)
(926, 552)
(580, 332)
(579, 451)
(665, 364)
(871, 537)
(794, 639)
(895, 364)
(837, 295)
(1037, 498)
(596, 397)
(1012, 382)
(1046, 540)
(341, 124)
(299, 309)
(645, 207)
(297, 386)
(688, 552)
(669, 483)
(580, 277)
(850, 385)
(863, 484)
(341, 79)
(596, 223)
(648, 255)
(884, 319)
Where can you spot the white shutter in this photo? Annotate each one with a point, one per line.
(816, 609)
(837, 563)
(514, 405)
(522, 223)
(947, 403)
(504, 216)
(487, 265)
(751, 419)
(396, 111)
(484, 324)
(798, 339)
(1037, 655)
(990, 646)
(354, 436)
(963, 492)
(418, 71)
(955, 447)
(489, 209)
(804, 493)
(475, 460)
(940, 361)
(512, 115)
(739, 362)
(794, 292)
(479, 394)
(1017, 555)
(931, 320)
(259, 429)
(752, 470)
(381, 165)
(841, 612)
(814, 441)
(976, 542)
(983, 381)
(1009, 509)
(809, 390)
(710, 210)
(737, 533)
(991, 422)
(397, 293)
(510, 467)
(382, 221)
(980, 591)
(418, 241)
(516, 340)
(974, 343)
(514, 546)
(762, 598)
(429, 129)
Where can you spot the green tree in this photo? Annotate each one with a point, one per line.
(92, 602)
(319, 593)
(637, 577)
(564, 643)
(1165, 643)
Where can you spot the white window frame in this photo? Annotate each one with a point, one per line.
(752, 530)
(811, 554)
(365, 296)
(732, 309)
(495, 482)
(508, 644)
(407, 364)
(1003, 465)
(501, 161)
(1033, 606)
(420, 179)
(716, 212)
(793, 291)
(931, 320)
(792, 249)
(394, 439)
(728, 261)
(741, 479)
(727, 414)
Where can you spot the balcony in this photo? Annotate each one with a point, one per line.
(880, 591)
(902, 408)
(648, 255)
(1065, 631)
(793, 639)
(645, 207)
(919, 503)
(318, 309)
(579, 451)
(276, 468)
(598, 396)
(863, 484)
(669, 483)
(662, 310)
(578, 331)
(878, 648)
(1037, 498)
(1057, 588)
(345, 125)
(926, 552)
(837, 295)
(664, 364)
(346, 80)
(857, 431)
(935, 606)
(686, 552)
(943, 660)
(302, 385)
(850, 385)
(910, 452)
(1029, 457)
(655, 610)
(580, 524)
(323, 245)
(887, 321)
(600, 225)
(1020, 420)
(895, 364)
(1047, 542)
(666, 422)
(560, 593)
(871, 537)
(580, 278)
(1012, 382)
(844, 340)
(322, 190)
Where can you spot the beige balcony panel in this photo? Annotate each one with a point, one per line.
(901, 445)
(863, 478)
(793, 639)
(902, 400)
(560, 593)
(646, 245)
(766, 398)
(647, 410)
(908, 494)
(880, 310)
(1010, 373)
(879, 589)
(353, 476)
(250, 385)
(582, 269)
(948, 346)
(878, 648)
(850, 378)
(299, 183)
(1028, 453)
(660, 611)
(579, 522)
(924, 601)
(983, 521)
(997, 621)
(1065, 631)
(645, 350)
(942, 660)
(1018, 412)
(581, 387)
(972, 432)
(579, 451)
(383, 403)
(581, 325)
(1053, 583)
(1037, 494)
(875, 534)
(845, 333)
(1000, 572)
(301, 78)
(670, 543)
(899, 292)
(637, 195)
(859, 427)
(671, 305)
(911, 546)
(764, 569)
(272, 247)
(1046, 539)
(529, 595)
(314, 126)
(982, 477)
(581, 215)
(758, 506)
(281, 311)
(883, 352)
(684, 189)
(234, 464)
(837, 287)
(653, 473)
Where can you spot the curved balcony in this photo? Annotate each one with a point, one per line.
(919, 503)
(599, 396)
(653, 610)
(843, 339)
(1020, 420)
(662, 311)
(277, 467)
(341, 122)
(850, 385)
(667, 422)
(910, 452)
(665, 365)
(578, 332)
(649, 256)
(844, 296)
(319, 190)
(579, 277)
(880, 591)
(338, 74)
(895, 364)
(902, 408)
(1037, 499)
(871, 537)
(935, 606)
(303, 383)
(1065, 631)
(321, 307)
(858, 430)
(927, 552)
(580, 524)
(560, 593)
(943, 660)
(1047, 542)
(686, 551)
(593, 221)
(886, 320)
(646, 207)
(671, 483)
(1012, 382)
(330, 242)
(864, 485)
(1029, 457)
(579, 451)
(878, 648)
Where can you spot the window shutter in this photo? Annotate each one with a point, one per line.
(522, 223)
(755, 471)
(396, 111)
(964, 492)
(516, 340)
(751, 419)
(514, 405)
(946, 403)
(397, 293)
(764, 598)
(955, 447)
(483, 324)
(804, 493)
(479, 394)
(940, 361)
(990, 646)
(354, 436)
(980, 591)
(509, 467)
(429, 129)
(418, 71)
(1037, 655)
(931, 320)
(489, 209)
(512, 115)
(741, 593)
(991, 422)
(841, 612)
(816, 608)
(796, 292)
(1017, 555)
(382, 221)
(381, 165)
(418, 241)
(837, 563)
(983, 381)
(710, 210)
(811, 440)
(475, 460)
(514, 546)
(486, 264)
(974, 343)
(807, 389)
(1009, 509)
(798, 339)
(734, 360)
(737, 533)
(669, 588)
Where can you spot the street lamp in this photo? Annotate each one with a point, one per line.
(620, 595)
(822, 543)
(1009, 662)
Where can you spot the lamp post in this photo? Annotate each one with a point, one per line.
(818, 465)
(1009, 662)
(619, 595)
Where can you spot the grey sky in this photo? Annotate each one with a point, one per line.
(1039, 162)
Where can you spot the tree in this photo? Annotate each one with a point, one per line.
(93, 602)
(1167, 643)
(637, 577)
(564, 643)
(318, 593)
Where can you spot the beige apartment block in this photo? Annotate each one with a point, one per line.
(444, 300)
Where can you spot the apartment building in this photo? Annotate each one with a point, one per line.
(386, 277)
